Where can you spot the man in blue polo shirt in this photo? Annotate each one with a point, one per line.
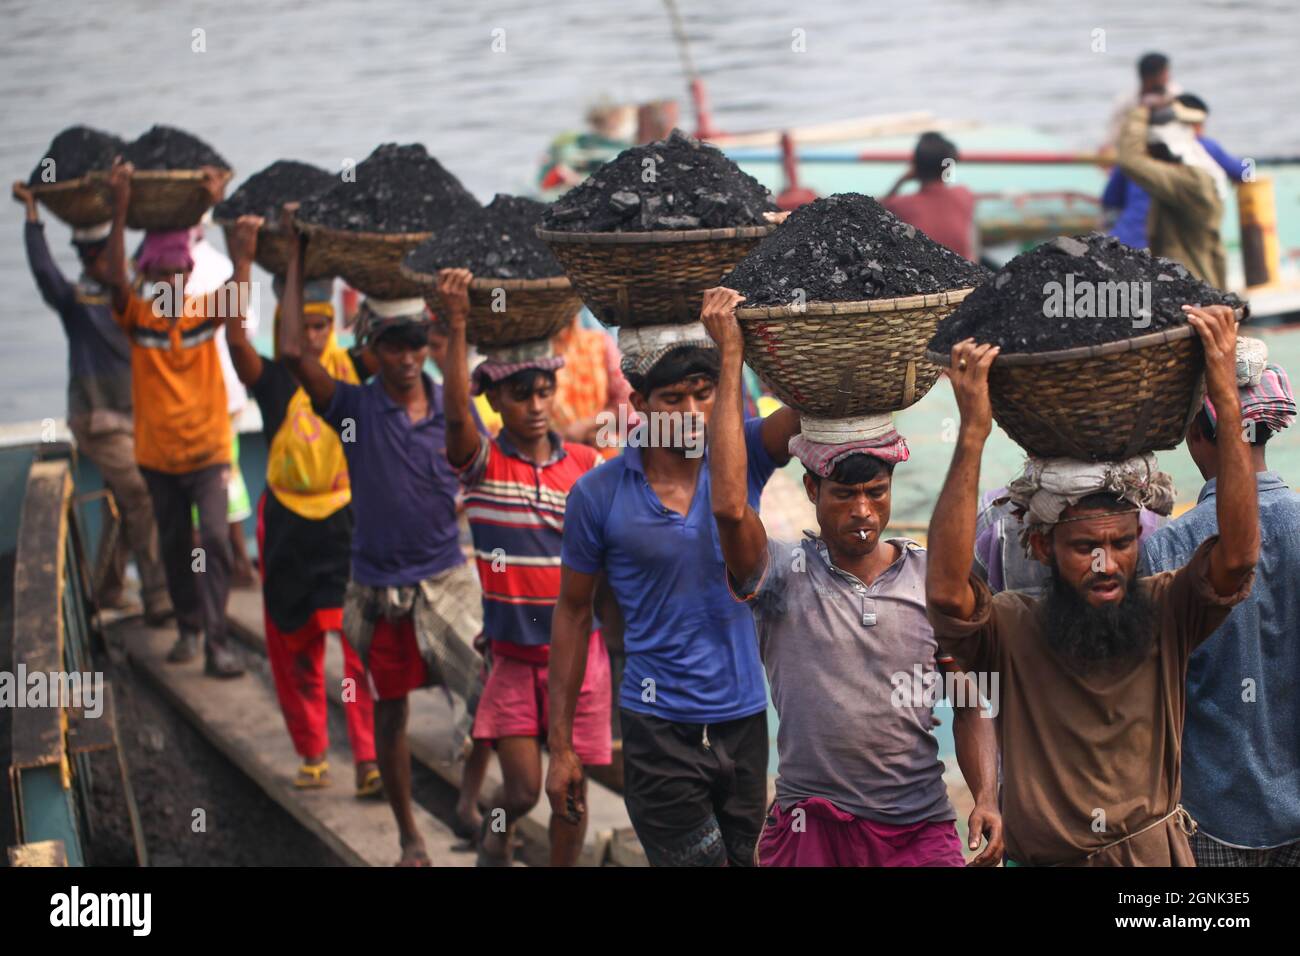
(412, 607)
(1241, 747)
(693, 701)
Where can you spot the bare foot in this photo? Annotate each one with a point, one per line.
(414, 854)
(470, 820)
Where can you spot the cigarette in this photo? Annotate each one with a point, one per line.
(862, 535)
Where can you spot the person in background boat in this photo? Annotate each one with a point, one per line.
(515, 490)
(212, 269)
(1155, 88)
(944, 212)
(1158, 151)
(1241, 749)
(842, 632)
(1126, 205)
(693, 705)
(572, 157)
(1093, 675)
(304, 530)
(412, 607)
(182, 431)
(99, 403)
(590, 383)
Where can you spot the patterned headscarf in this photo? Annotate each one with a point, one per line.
(1265, 389)
(823, 443)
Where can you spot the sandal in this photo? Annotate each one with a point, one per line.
(313, 776)
(371, 786)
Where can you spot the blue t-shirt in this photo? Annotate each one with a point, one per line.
(1241, 745)
(692, 655)
(403, 488)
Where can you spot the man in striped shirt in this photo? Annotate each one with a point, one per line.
(516, 486)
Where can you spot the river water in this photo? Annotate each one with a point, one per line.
(327, 81)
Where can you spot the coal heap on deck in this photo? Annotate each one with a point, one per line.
(396, 189)
(166, 147)
(1076, 291)
(499, 243)
(848, 248)
(263, 193)
(76, 151)
(678, 183)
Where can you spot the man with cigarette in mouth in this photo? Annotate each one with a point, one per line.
(838, 616)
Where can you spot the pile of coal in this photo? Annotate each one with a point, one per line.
(1076, 291)
(166, 147)
(394, 190)
(848, 248)
(76, 151)
(263, 193)
(679, 183)
(499, 243)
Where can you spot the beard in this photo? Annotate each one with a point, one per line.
(1096, 638)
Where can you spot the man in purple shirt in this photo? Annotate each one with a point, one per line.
(412, 607)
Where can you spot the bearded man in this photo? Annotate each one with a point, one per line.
(1093, 674)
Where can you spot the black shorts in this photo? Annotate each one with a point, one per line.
(696, 793)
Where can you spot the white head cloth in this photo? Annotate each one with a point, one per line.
(392, 308)
(1182, 142)
(1050, 485)
(841, 431)
(643, 346)
(96, 233)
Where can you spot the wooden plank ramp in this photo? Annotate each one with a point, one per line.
(241, 718)
(430, 728)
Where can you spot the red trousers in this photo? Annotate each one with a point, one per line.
(300, 685)
(298, 666)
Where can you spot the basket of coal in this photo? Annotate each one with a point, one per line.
(263, 194)
(69, 180)
(363, 226)
(649, 231)
(169, 189)
(839, 304)
(519, 292)
(1097, 361)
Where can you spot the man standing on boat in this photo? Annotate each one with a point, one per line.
(693, 705)
(99, 401)
(182, 432)
(944, 212)
(842, 632)
(412, 607)
(1093, 675)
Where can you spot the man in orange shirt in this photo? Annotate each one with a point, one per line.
(182, 432)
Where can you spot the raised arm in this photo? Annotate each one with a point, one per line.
(1236, 500)
(951, 543)
(119, 278)
(570, 634)
(744, 540)
(1168, 182)
(462, 435)
(55, 289)
(243, 246)
(307, 369)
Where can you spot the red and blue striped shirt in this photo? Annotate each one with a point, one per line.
(515, 509)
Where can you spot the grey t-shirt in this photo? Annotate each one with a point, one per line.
(835, 651)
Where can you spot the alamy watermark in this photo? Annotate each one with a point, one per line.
(925, 688)
(22, 688)
(683, 430)
(1086, 299)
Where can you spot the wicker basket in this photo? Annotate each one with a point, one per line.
(650, 278)
(843, 359)
(370, 262)
(167, 199)
(85, 201)
(273, 249)
(1099, 402)
(530, 308)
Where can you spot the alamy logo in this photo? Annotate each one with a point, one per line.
(1086, 299)
(103, 909)
(53, 689)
